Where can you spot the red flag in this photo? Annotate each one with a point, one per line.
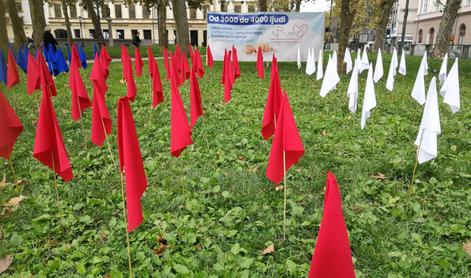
(260, 68)
(185, 67)
(12, 73)
(105, 56)
(47, 83)
(196, 109)
(138, 62)
(272, 106)
(10, 128)
(157, 92)
(286, 140)
(130, 83)
(223, 77)
(228, 78)
(124, 59)
(80, 99)
(199, 63)
(191, 51)
(209, 57)
(166, 64)
(180, 133)
(332, 256)
(101, 121)
(130, 161)
(235, 61)
(150, 60)
(49, 146)
(75, 57)
(33, 75)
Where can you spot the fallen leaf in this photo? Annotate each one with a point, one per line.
(5, 263)
(323, 133)
(270, 249)
(15, 201)
(279, 188)
(466, 247)
(3, 183)
(380, 176)
(163, 244)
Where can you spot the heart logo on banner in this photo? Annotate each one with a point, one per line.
(300, 30)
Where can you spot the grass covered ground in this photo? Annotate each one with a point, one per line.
(215, 208)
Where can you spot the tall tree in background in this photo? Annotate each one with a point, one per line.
(3, 26)
(38, 21)
(446, 25)
(162, 22)
(16, 23)
(89, 6)
(347, 15)
(181, 22)
(383, 10)
(262, 5)
(67, 22)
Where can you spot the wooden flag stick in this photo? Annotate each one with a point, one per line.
(285, 189)
(55, 180)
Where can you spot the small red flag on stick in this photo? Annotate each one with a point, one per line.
(12, 73)
(138, 62)
(10, 127)
(101, 121)
(209, 57)
(272, 106)
(196, 109)
(260, 68)
(80, 99)
(32, 77)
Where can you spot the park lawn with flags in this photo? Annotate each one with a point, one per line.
(212, 211)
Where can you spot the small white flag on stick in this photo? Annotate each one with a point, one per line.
(299, 58)
(394, 61)
(418, 91)
(320, 65)
(369, 99)
(429, 129)
(402, 64)
(309, 62)
(379, 67)
(352, 92)
(348, 60)
(443, 70)
(451, 88)
(424, 63)
(364, 60)
(390, 80)
(331, 78)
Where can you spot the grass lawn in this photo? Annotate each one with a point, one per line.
(214, 205)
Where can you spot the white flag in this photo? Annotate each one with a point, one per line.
(443, 70)
(352, 92)
(424, 63)
(402, 64)
(451, 88)
(379, 67)
(299, 58)
(418, 92)
(364, 60)
(331, 78)
(394, 61)
(320, 65)
(309, 62)
(390, 80)
(369, 99)
(348, 60)
(429, 127)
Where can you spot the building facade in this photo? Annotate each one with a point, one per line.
(396, 23)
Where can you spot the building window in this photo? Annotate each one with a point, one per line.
(145, 12)
(92, 33)
(424, 6)
(421, 34)
(120, 34)
(57, 10)
(105, 11)
(431, 35)
(117, 11)
(73, 11)
(462, 34)
(237, 8)
(134, 32)
(77, 33)
(147, 34)
(19, 7)
(132, 12)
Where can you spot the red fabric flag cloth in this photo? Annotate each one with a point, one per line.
(13, 77)
(33, 75)
(49, 146)
(272, 106)
(150, 60)
(332, 256)
(157, 92)
(199, 63)
(47, 83)
(235, 61)
(223, 77)
(191, 51)
(286, 140)
(124, 59)
(105, 57)
(186, 67)
(166, 64)
(130, 161)
(80, 99)
(75, 57)
(130, 82)
(260, 68)
(209, 57)
(180, 131)
(196, 107)
(138, 62)
(228, 78)
(101, 120)
(10, 128)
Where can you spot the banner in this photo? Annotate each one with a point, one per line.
(279, 33)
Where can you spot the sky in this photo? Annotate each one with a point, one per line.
(317, 6)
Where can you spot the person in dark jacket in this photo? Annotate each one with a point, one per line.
(49, 39)
(136, 40)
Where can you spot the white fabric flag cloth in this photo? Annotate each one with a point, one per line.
(424, 63)
(331, 78)
(348, 60)
(429, 127)
(378, 67)
(450, 90)
(402, 64)
(313, 61)
(320, 65)
(418, 91)
(443, 70)
(310, 62)
(390, 80)
(394, 61)
(369, 99)
(299, 58)
(364, 60)
(352, 92)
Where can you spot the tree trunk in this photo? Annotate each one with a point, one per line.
(446, 24)
(385, 7)
(16, 23)
(162, 23)
(67, 23)
(262, 5)
(38, 21)
(298, 5)
(95, 20)
(346, 21)
(3, 27)
(181, 21)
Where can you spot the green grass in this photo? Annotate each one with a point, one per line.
(215, 206)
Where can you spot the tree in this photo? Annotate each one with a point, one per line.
(347, 15)
(88, 5)
(16, 23)
(446, 25)
(3, 26)
(162, 22)
(67, 22)
(38, 21)
(385, 8)
(262, 5)
(181, 22)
